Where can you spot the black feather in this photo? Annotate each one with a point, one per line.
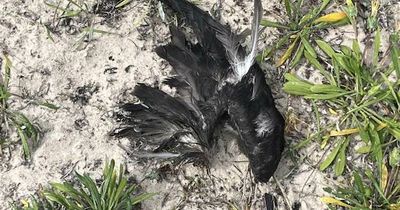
(205, 98)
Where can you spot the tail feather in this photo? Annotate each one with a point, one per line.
(163, 121)
(166, 106)
(142, 123)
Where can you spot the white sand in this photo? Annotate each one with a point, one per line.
(38, 63)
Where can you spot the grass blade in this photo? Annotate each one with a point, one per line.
(331, 17)
(123, 3)
(25, 145)
(377, 44)
(288, 7)
(344, 132)
(142, 197)
(333, 201)
(395, 53)
(298, 56)
(308, 47)
(7, 70)
(287, 54)
(326, 48)
(331, 157)
(268, 23)
(341, 158)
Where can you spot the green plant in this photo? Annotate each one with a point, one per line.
(375, 188)
(361, 95)
(112, 192)
(26, 130)
(299, 31)
(368, 191)
(372, 19)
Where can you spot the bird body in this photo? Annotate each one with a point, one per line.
(216, 83)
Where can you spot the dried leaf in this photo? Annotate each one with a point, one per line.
(7, 70)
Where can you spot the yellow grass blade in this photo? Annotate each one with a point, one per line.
(394, 207)
(384, 177)
(331, 17)
(25, 203)
(287, 54)
(344, 132)
(333, 112)
(374, 7)
(381, 126)
(330, 200)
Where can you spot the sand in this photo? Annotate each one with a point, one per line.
(87, 83)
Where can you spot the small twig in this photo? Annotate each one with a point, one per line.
(287, 202)
(70, 171)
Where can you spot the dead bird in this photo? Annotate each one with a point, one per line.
(216, 82)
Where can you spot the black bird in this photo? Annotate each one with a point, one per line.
(216, 82)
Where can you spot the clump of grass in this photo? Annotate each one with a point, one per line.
(361, 94)
(27, 131)
(368, 190)
(112, 192)
(362, 91)
(67, 11)
(300, 30)
(372, 22)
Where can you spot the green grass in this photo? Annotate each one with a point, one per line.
(299, 31)
(372, 21)
(355, 90)
(112, 192)
(27, 131)
(361, 89)
(368, 191)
